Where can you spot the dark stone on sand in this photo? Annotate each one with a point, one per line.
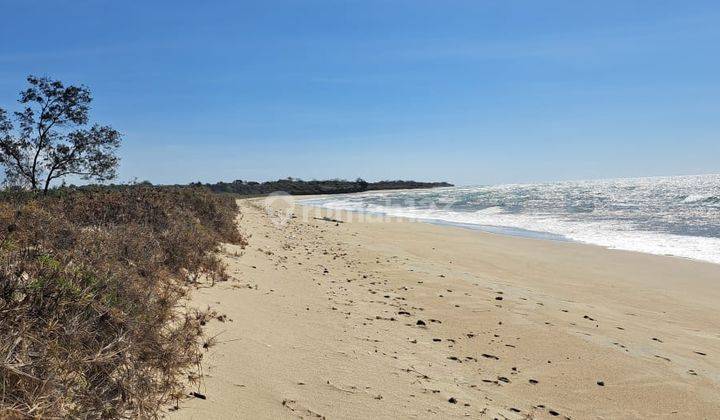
(498, 298)
(198, 395)
(452, 400)
(420, 322)
(533, 381)
(601, 383)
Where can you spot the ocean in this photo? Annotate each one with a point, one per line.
(678, 216)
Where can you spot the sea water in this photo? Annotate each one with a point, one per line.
(678, 216)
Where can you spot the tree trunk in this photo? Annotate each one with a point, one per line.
(47, 183)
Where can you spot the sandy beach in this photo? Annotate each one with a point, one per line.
(378, 319)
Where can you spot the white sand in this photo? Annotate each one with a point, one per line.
(308, 343)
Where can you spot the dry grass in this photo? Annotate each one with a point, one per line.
(91, 289)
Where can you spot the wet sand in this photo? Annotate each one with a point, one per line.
(375, 319)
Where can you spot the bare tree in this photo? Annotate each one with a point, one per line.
(52, 139)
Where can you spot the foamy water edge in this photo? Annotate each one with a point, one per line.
(608, 234)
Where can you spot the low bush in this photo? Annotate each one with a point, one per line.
(93, 321)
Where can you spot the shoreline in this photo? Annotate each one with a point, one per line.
(498, 230)
(326, 322)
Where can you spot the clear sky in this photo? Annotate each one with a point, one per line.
(472, 92)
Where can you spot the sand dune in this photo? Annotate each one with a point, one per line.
(410, 320)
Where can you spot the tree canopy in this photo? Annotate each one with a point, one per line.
(53, 139)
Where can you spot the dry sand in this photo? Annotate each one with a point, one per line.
(324, 322)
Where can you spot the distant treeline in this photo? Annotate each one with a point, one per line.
(298, 186)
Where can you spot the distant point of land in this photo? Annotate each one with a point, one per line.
(296, 186)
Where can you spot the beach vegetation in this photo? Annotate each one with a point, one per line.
(94, 321)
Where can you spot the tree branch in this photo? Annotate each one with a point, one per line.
(39, 146)
(23, 171)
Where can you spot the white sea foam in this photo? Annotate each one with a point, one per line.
(650, 215)
(697, 198)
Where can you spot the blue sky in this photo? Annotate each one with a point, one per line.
(473, 92)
